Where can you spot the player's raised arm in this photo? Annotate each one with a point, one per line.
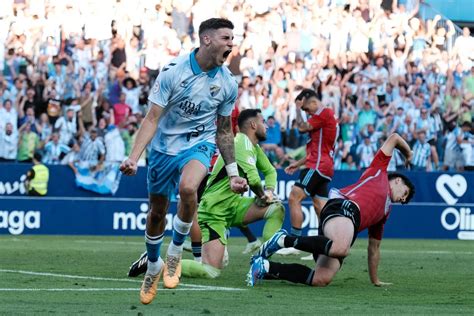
(396, 141)
(225, 143)
(144, 135)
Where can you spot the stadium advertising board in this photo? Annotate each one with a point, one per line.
(442, 207)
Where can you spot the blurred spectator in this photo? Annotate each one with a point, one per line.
(366, 153)
(8, 143)
(28, 143)
(423, 154)
(272, 144)
(67, 126)
(87, 101)
(54, 151)
(8, 114)
(44, 128)
(453, 158)
(132, 94)
(72, 158)
(121, 111)
(467, 146)
(92, 149)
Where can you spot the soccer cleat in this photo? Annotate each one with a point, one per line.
(257, 270)
(252, 246)
(289, 252)
(172, 272)
(149, 286)
(139, 266)
(271, 246)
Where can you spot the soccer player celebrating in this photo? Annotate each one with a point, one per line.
(190, 94)
(319, 162)
(365, 204)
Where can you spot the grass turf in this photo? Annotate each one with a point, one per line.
(428, 276)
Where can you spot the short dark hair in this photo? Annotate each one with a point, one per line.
(215, 24)
(37, 156)
(306, 93)
(245, 115)
(406, 181)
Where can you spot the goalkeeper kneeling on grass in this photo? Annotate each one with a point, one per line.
(221, 209)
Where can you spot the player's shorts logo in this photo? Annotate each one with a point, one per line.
(214, 90)
(202, 148)
(153, 175)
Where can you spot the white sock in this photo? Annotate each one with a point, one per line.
(154, 267)
(266, 265)
(281, 241)
(174, 250)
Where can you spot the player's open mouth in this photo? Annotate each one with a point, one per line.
(227, 53)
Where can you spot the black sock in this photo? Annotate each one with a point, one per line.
(312, 244)
(245, 230)
(293, 272)
(196, 248)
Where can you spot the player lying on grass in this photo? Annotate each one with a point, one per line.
(220, 208)
(365, 204)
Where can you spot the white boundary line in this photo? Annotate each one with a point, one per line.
(114, 289)
(83, 277)
(427, 252)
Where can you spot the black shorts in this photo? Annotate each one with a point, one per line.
(313, 183)
(340, 207)
(202, 187)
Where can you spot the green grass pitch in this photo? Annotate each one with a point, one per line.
(87, 275)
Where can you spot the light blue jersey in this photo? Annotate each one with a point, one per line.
(191, 100)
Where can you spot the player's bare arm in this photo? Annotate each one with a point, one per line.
(373, 251)
(144, 135)
(303, 126)
(293, 167)
(225, 139)
(396, 141)
(225, 143)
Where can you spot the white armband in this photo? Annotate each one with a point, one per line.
(232, 169)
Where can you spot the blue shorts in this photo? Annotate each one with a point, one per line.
(164, 170)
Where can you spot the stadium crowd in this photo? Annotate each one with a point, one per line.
(75, 75)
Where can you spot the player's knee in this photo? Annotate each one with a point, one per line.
(339, 251)
(187, 191)
(156, 215)
(321, 280)
(275, 210)
(294, 197)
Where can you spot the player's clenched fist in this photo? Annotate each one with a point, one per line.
(129, 167)
(238, 184)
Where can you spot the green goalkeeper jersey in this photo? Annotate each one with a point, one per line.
(251, 160)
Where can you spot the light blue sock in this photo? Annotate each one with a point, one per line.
(153, 245)
(297, 232)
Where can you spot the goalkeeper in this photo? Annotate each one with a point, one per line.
(221, 209)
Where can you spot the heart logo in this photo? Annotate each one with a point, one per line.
(457, 184)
